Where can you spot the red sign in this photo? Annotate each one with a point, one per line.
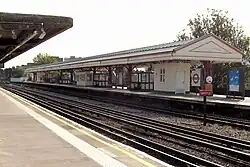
(205, 93)
(196, 78)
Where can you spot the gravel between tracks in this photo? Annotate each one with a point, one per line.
(187, 122)
(168, 141)
(192, 123)
(181, 145)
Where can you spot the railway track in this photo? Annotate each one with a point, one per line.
(235, 155)
(240, 123)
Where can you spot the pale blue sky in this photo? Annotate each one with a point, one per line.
(102, 26)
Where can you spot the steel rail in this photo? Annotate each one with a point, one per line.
(104, 113)
(155, 149)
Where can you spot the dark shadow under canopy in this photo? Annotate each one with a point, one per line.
(22, 32)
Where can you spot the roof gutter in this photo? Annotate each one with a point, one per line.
(21, 44)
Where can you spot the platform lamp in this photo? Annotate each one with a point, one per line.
(42, 35)
(13, 34)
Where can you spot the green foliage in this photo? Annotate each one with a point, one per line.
(44, 58)
(218, 23)
(17, 71)
(14, 72)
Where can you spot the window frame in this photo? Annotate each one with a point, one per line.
(162, 75)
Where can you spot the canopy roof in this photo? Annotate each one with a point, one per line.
(21, 32)
(206, 48)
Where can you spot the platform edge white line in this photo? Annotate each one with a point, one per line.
(90, 151)
(96, 133)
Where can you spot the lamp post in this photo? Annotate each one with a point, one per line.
(207, 88)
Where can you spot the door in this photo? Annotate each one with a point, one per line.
(180, 82)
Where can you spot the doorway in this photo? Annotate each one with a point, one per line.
(180, 82)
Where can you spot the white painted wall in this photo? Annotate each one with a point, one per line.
(82, 78)
(20, 79)
(170, 76)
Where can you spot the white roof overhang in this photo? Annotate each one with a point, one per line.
(145, 57)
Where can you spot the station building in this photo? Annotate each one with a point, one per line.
(166, 67)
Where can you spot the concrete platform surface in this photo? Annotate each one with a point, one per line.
(31, 136)
(26, 143)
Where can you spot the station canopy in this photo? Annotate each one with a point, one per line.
(22, 32)
(206, 48)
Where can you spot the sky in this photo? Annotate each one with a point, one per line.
(102, 26)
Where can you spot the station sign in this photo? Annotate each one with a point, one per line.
(209, 79)
(196, 77)
(207, 89)
(205, 93)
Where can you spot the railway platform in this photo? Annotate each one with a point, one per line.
(33, 136)
(192, 98)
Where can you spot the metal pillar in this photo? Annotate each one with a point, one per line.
(60, 76)
(110, 77)
(46, 77)
(207, 68)
(129, 75)
(35, 76)
(122, 77)
(116, 77)
(71, 77)
(94, 73)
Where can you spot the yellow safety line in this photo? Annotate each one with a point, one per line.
(84, 132)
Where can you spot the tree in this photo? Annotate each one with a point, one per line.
(17, 71)
(218, 23)
(44, 58)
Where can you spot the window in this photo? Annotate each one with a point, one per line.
(89, 77)
(162, 75)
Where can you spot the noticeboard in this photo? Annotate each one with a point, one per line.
(234, 80)
(236, 83)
